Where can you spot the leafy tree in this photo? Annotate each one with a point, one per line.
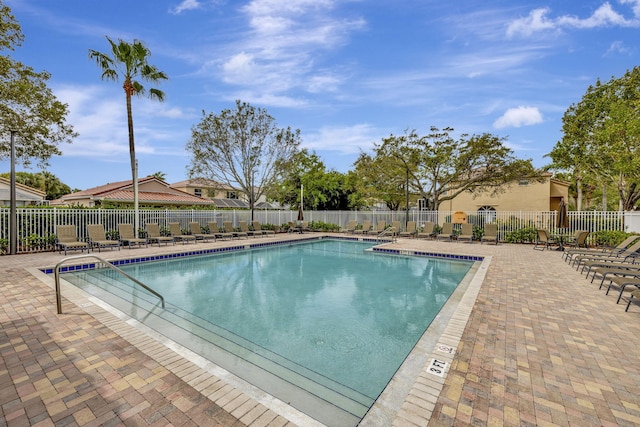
(381, 178)
(130, 62)
(43, 181)
(160, 175)
(601, 140)
(242, 147)
(323, 190)
(439, 167)
(28, 108)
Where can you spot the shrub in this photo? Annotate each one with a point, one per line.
(324, 226)
(522, 235)
(610, 237)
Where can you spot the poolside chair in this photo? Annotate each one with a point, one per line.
(544, 241)
(67, 239)
(153, 235)
(126, 235)
(196, 231)
(579, 240)
(395, 228)
(217, 233)
(258, 228)
(467, 233)
(244, 229)
(625, 283)
(304, 226)
(446, 233)
(366, 227)
(351, 226)
(176, 232)
(634, 294)
(490, 233)
(294, 228)
(569, 254)
(98, 238)
(428, 230)
(380, 227)
(410, 230)
(630, 254)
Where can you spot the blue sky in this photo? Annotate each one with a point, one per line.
(347, 73)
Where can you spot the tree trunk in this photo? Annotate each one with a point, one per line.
(579, 191)
(132, 153)
(604, 197)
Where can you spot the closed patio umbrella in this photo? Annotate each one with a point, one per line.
(563, 219)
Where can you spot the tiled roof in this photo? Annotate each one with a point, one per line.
(101, 189)
(156, 197)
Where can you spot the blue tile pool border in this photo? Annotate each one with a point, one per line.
(263, 244)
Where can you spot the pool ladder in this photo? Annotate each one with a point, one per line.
(56, 273)
(386, 232)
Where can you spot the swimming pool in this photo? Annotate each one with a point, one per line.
(323, 325)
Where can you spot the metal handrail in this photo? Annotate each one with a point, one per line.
(384, 232)
(56, 273)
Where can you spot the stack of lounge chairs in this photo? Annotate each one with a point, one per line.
(616, 268)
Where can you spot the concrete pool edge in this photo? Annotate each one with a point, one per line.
(406, 410)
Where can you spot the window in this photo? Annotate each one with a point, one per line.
(197, 192)
(232, 195)
(487, 213)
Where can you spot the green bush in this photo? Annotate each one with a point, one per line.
(522, 235)
(610, 237)
(324, 226)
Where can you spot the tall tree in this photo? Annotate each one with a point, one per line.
(160, 175)
(323, 190)
(28, 108)
(439, 167)
(241, 147)
(130, 62)
(601, 138)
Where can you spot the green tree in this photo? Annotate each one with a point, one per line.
(28, 108)
(160, 175)
(130, 62)
(242, 147)
(323, 190)
(439, 167)
(381, 178)
(601, 139)
(43, 181)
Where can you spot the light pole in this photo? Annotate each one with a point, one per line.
(13, 214)
(406, 188)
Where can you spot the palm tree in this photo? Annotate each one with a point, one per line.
(129, 62)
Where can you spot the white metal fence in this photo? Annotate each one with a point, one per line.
(37, 226)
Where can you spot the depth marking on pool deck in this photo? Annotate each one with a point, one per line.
(446, 349)
(437, 367)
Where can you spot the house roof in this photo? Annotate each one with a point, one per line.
(122, 191)
(202, 183)
(24, 193)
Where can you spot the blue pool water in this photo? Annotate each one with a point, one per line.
(324, 316)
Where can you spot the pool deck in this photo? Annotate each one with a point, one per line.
(542, 346)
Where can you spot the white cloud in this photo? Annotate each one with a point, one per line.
(618, 47)
(186, 5)
(517, 117)
(604, 16)
(346, 140)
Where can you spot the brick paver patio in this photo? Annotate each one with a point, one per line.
(543, 346)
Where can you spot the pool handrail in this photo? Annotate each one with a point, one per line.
(56, 273)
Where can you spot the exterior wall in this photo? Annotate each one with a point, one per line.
(534, 196)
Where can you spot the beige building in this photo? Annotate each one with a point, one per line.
(528, 195)
(218, 192)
